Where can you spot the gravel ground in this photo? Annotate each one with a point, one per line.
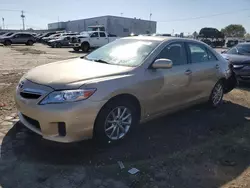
(197, 147)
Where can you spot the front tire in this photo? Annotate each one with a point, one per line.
(217, 94)
(115, 121)
(85, 47)
(7, 43)
(58, 45)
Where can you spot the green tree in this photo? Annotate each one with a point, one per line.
(247, 36)
(234, 30)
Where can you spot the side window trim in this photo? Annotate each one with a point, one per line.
(180, 42)
(188, 53)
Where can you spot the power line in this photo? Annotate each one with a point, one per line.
(206, 16)
(10, 10)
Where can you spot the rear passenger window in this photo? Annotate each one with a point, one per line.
(198, 53)
(175, 52)
(102, 34)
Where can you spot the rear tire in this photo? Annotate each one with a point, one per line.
(7, 43)
(29, 43)
(110, 118)
(85, 47)
(217, 94)
(58, 45)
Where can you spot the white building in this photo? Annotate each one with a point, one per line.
(119, 26)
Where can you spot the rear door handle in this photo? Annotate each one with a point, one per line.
(217, 66)
(188, 72)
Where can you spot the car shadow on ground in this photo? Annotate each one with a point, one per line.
(164, 136)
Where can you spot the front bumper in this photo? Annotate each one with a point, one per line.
(75, 45)
(78, 118)
(243, 74)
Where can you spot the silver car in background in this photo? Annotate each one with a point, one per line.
(108, 92)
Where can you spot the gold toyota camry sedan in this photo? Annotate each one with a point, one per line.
(131, 80)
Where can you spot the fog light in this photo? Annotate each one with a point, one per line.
(62, 129)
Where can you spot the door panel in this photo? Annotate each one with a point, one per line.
(204, 67)
(16, 39)
(103, 39)
(95, 39)
(173, 90)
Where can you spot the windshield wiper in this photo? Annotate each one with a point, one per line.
(95, 60)
(100, 61)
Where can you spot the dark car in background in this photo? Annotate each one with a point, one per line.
(39, 38)
(212, 36)
(2, 32)
(239, 57)
(63, 41)
(232, 42)
(6, 34)
(18, 38)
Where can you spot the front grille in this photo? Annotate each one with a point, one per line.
(245, 77)
(74, 40)
(31, 121)
(29, 95)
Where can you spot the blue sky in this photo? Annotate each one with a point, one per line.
(169, 14)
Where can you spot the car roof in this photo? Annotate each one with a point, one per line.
(23, 33)
(161, 38)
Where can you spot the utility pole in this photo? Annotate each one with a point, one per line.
(150, 27)
(58, 24)
(22, 16)
(150, 16)
(3, 23)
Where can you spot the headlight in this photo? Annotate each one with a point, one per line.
(238, 66)
(67, 96)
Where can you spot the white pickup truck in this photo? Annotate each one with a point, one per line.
(91, 39)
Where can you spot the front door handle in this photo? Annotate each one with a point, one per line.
(188, 72)
(217, 66)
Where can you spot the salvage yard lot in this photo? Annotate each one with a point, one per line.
(197, 147)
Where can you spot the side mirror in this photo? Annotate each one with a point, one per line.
(162, 64)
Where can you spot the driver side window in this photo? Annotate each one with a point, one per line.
(95, 35)
(175, 52)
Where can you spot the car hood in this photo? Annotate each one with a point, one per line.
(237, 59)
(55, 39)
(5, 37)
(73, 73)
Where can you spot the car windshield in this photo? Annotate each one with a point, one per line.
(7, 34)
(242, 49)
(124, 52)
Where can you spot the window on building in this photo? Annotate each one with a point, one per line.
(125, 30)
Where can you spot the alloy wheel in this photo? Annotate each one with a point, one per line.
(217, 94)
(118, 123)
